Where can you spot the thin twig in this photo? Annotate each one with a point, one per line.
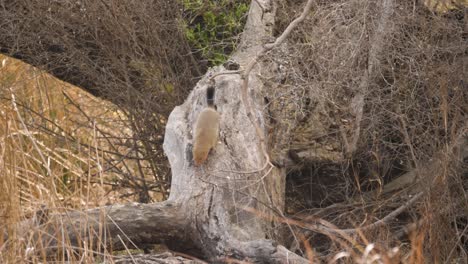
(126, 249)
(388, 217)
(29, 135)
(325, 227)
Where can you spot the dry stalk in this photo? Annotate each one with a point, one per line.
(29, 135)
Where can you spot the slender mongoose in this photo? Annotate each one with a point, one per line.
(206, 129)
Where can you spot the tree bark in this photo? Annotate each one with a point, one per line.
(205, 214)
(236, 175)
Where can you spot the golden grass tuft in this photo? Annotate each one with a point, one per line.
(55, 140)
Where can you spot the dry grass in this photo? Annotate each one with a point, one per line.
(133, 54)
(56, 142)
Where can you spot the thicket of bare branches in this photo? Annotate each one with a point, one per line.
(132, 53)
(389, 79)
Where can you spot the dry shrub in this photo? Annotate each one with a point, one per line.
(58, 147)
(132, 53)
(414, 113)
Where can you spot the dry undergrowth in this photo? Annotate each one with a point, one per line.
(409, 69)
(58, 147)
(132, 53)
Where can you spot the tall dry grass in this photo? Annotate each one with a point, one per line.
(56, 142)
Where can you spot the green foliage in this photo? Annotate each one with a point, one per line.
(212, 27)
